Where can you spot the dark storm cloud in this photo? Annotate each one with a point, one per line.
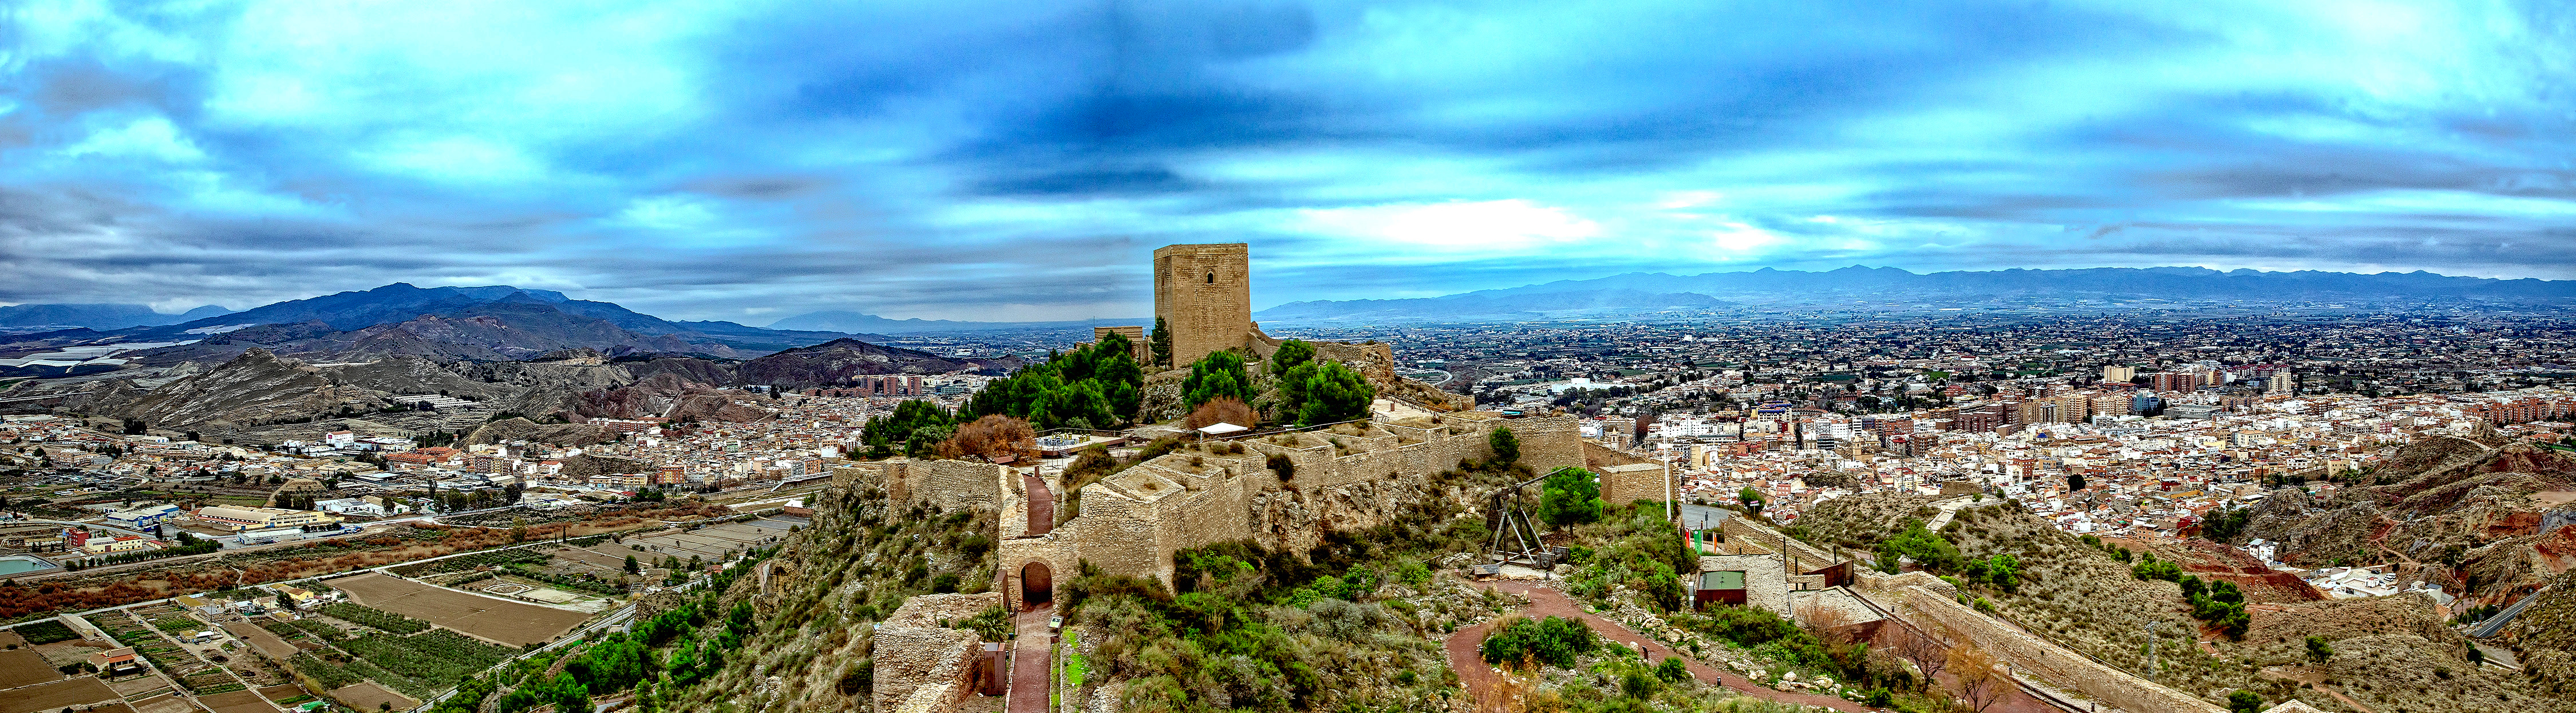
(1019, 160)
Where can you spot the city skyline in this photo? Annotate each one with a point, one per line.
(751, 162)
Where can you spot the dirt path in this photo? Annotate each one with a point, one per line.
(1031, 657)
(1479, 677)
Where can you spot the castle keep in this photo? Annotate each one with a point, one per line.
(1203, 293)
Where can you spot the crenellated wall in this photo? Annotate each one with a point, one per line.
(1133, 522)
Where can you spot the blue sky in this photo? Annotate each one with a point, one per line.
(1019, 160)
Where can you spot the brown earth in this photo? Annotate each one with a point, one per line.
(165, 703)
(56, 696)
(24, 667)
(367, 695)
(504, 622)
(281, 692)
(237, 702)
(267, 643)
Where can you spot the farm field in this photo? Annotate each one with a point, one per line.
(260, 639)
(508, 622)
(711, 543)
(164, 703)
(55, 696)
(24, 667)
(367, 696)
(237, 702)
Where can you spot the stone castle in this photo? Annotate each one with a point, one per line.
(1349, 477)
(1283, 490)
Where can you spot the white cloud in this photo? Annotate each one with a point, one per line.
(460, 159)
(1511, 224)
(146, 138)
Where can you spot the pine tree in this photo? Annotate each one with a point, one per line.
(1162, 344)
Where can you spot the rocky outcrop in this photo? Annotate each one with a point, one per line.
(520, 429)
(586, 465)
(254, 388)
(835, 362)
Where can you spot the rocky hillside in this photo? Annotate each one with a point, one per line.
(252, 389)
(835, 362)
(2391, 653)
(2444, 509)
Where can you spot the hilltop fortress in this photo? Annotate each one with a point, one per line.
(1282, 490)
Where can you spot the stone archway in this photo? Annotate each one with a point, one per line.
(1037, 584)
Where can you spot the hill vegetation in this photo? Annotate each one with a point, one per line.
(2098, 599)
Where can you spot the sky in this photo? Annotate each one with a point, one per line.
(748, 160)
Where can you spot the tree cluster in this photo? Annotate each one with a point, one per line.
(1096, 386)
(1318, 391)
(914, 429)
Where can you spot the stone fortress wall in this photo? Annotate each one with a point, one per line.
(923, 665)
(1928, 603)
(1133, 522)
(949, 484)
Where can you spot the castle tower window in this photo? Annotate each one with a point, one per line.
(1211, 278)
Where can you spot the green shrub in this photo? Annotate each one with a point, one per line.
(1525, 642)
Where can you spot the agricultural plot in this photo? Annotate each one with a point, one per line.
(236, 702)
(70, 693)
(375, 618)
(41, 632)
(460, 563)
(508, 622)
(420, 664)
(369, 696)
(268, 644)
(714, 542)
(164, 703)
(24, 667)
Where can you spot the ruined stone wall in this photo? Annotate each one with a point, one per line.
(2030, 655)
(1623, 484)
(1203, 294)
(922, 666)
(1549, 443)
(949, 484)
(1597, 456)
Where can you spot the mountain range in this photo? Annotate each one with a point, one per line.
(484, 324)
(97, 316)
(860, 323)
(1888, 288)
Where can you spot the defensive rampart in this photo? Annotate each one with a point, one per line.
(1347, 478)
(2027, 654)
(921, 665)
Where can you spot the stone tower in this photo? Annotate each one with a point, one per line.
(1204, 294)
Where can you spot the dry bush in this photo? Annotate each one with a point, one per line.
(992, 437)
(1222, 410)
(1826, 623)
(1981, 684)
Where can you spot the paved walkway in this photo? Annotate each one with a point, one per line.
(1041, 505)
(1032, 661)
